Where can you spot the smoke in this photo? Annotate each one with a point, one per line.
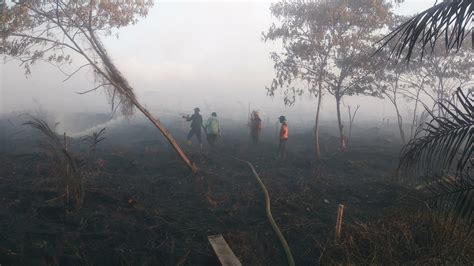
(109, 124)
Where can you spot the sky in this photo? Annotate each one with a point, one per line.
(184, 54)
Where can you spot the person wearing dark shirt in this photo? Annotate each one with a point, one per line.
(196, 125)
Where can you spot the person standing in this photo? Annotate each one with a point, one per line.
(283, 138)
(255, 126)
(213, 129)
(196, 124)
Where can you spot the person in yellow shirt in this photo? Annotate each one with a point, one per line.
(213, 129)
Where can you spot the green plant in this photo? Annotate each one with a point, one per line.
(94, 139)
(64, 165)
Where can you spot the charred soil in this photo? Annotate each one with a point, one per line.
(144, 208)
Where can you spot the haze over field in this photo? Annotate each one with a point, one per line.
(184, 54)
(104, 159)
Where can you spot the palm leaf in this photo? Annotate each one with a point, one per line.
(95, 138)
(47, 131)
(444, 144)
(454, 200)
(441, 155)
(52, 144)
(449, 19)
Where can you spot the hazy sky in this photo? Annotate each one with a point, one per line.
(184, 54)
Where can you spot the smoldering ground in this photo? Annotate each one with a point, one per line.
(142, 205)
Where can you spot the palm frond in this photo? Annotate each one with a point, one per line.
(450, 18)
(443, 145)
(44, 128)
(453, 200)
(52, 145)
(441, 153)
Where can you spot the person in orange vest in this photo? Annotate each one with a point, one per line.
(283, 138)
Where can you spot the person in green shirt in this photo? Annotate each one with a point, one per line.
(213, 129)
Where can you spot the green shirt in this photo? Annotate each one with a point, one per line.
(212, 126)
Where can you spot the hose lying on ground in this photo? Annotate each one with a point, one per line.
(275, 227)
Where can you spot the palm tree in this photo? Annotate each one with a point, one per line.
(441, 152)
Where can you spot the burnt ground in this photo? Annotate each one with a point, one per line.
(145, 208)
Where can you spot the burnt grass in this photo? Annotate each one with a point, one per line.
(145, 208)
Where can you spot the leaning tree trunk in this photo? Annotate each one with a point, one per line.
(317, 149)
(190, 164)
(339, 122)
(112, 75)
(97, 57)
(168, 137)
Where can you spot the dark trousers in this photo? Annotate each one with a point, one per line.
(211, 139)
(195, 131)
(255, 136)
(282, 149)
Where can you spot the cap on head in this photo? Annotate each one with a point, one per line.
(214, 114)
(197, 109)
(282, 118)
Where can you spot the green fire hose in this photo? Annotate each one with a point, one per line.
(268, 210)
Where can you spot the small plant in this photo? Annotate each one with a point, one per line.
(94, 139)
(64, 167)
(405, 235)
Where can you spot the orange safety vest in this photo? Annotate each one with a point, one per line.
(284, 131)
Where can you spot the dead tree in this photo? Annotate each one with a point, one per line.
(351, 120)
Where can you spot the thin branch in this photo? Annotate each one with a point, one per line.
(96, 88)
(43, 39)
(75, 71)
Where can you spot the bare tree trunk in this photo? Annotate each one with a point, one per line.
(168, 136)
(339, 122)
(123, 88)
(414, 120)
(393, 99)
(351, 122)
(400, 123)
(440, 96)
(68, 178)
(316, 126)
